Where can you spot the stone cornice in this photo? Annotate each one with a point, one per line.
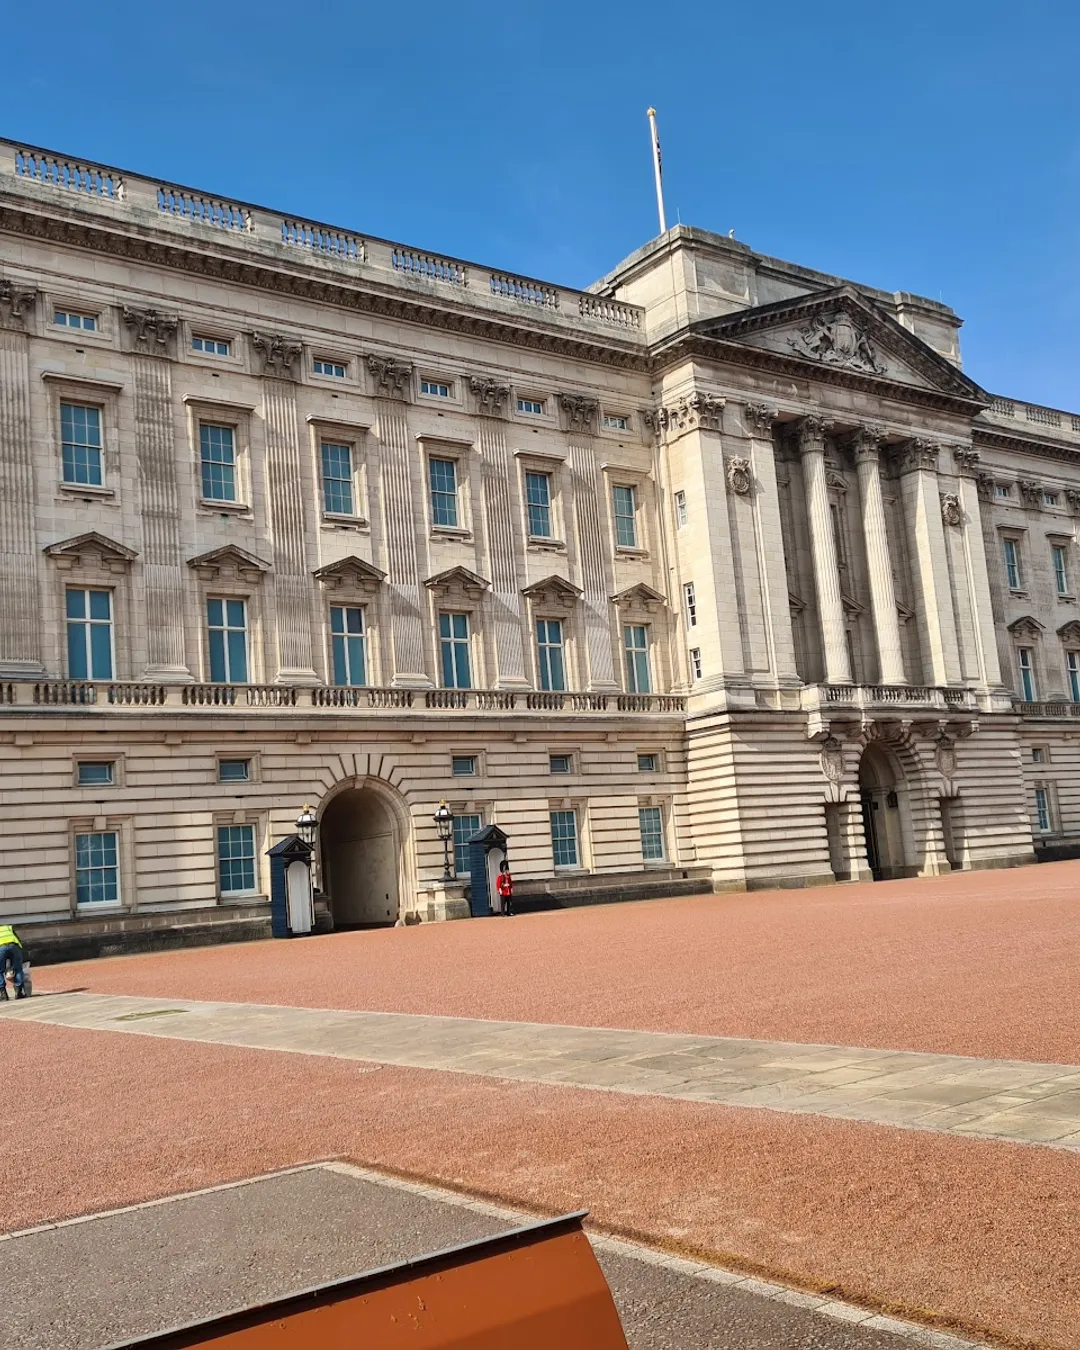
(988, 438)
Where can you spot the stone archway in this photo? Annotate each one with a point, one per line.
(361, 844)
(886, 811)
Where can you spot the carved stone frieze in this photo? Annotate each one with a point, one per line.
(580, 412)
(952, 513)
(279, 355)
(392, 378)
(151, 331)
(966, 460)
(1030, 493)
(919, 453)
(838, 341)
(739, 475)
(758, 418)
(491, 395)
(16, 302)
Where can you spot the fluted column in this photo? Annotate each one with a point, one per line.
(758, 419)
(581, 414)
(918, 461)
(866, 445)
(967, 461)
(20, 606)
(811, 442)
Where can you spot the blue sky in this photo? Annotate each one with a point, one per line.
(928, 147)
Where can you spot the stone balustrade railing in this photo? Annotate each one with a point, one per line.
(1034, 412)
(202, 215)
(1051, 709)
(886, 696)
(139, 695)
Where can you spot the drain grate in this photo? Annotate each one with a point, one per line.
(153, 1012)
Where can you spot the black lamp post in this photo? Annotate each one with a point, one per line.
(444, 823)
(307, 824)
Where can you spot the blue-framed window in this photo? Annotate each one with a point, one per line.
(550, 654)
(651, 823)
(636, 649)
(236, 859)
(97, 868)
(436, 388)
(348, 638)
(454, 651)
(1042, 810)
(334, 368)
(624, 507)
(1025, 662)
(212, 346)
(89, 635)
(1060, 555)
(564, 838)
(96, 773)
(538, 501)
(337, 476)
(1072, 666)
(533, 406)
(234, 770)
(217, 456)
(66, 318)
(1013, 575)
(226, 622)
(442, 475)
(465, 826)
(80, 441)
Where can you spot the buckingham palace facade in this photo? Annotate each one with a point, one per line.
(720, 574)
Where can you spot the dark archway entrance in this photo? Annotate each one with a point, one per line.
(361, 858)
(883, 792)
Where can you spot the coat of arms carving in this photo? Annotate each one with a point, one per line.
(837, 341)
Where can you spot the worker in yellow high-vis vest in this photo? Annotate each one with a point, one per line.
(11, 949)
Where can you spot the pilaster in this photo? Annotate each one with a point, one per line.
(978, 580)
(811, 443)
(866, 444)
(917, 461)
(759, 484)
(20, 608)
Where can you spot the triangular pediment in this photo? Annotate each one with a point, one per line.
(229, 560)
(842, 331)
(458, 580)
(351, 573)
(1070, 632)
(91, 547)
(639, 597)
(553, 590)
(1026, 626)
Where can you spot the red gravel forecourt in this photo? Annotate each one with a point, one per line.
(977, 963)
(978, 1232)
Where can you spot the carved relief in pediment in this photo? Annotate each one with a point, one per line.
(838, 340)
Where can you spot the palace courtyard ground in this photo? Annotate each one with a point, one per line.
(870, 1093)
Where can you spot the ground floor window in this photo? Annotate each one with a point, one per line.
(97, 869)
(236, 859)
(1042, 809)
(564, 839)
(465, 826)
(651, 820)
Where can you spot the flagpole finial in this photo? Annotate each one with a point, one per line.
(650, 112)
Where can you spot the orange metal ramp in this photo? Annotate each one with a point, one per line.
(533, 1288)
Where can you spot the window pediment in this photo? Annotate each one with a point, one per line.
(1070, 632)
(91, 550)
(350, 574)
(639, 598)
(229, 563)
(1026, 627)
(458, 582)
(553, 590)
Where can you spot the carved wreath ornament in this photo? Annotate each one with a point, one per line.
(739, 477)
(952, 513)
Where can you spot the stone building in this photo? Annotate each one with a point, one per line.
(720, 574)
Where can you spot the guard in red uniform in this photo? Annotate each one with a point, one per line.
(504, 884)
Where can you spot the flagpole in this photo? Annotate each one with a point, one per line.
(656, 169)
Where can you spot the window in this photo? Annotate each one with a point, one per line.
(1042, 809)
(532, 406)
(616, 422)
(348, 641)
(444, 503)
(236, 859)
(435, 388)
(89, 635)
(695, 662)
(1013, 574)
(560, 764)
(465, 826)
(212, 346)
(334, 368)
(549, 652)
(680, 509)
(1026, 663)
(463, 766)
(66, 318)
(690, 601)
(1072, 666)
(80, 438)
(454, 651)
(234, 770)
(95, 773)
(1051, 499)
(1060, 556)
(538, 501)
(337, 478)
(648, 763)
(564, 843)
(97, 870)
(625, 508)
(217, 456)
(226, 621)
(1002, 490)
(636, 646)
(651, 821)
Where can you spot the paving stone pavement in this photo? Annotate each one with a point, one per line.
(998, 1099)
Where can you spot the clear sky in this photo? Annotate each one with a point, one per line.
(913, 145)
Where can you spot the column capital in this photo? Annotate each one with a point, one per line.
(866, 442)
(810, 433)
(16, 302)
(966, 459)
(391, 377)
(491, 395)
(692, 412)
(151, 331)
(581, 412)
(758, 418)
(984, 485)
(918, 453)
(279, 354)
